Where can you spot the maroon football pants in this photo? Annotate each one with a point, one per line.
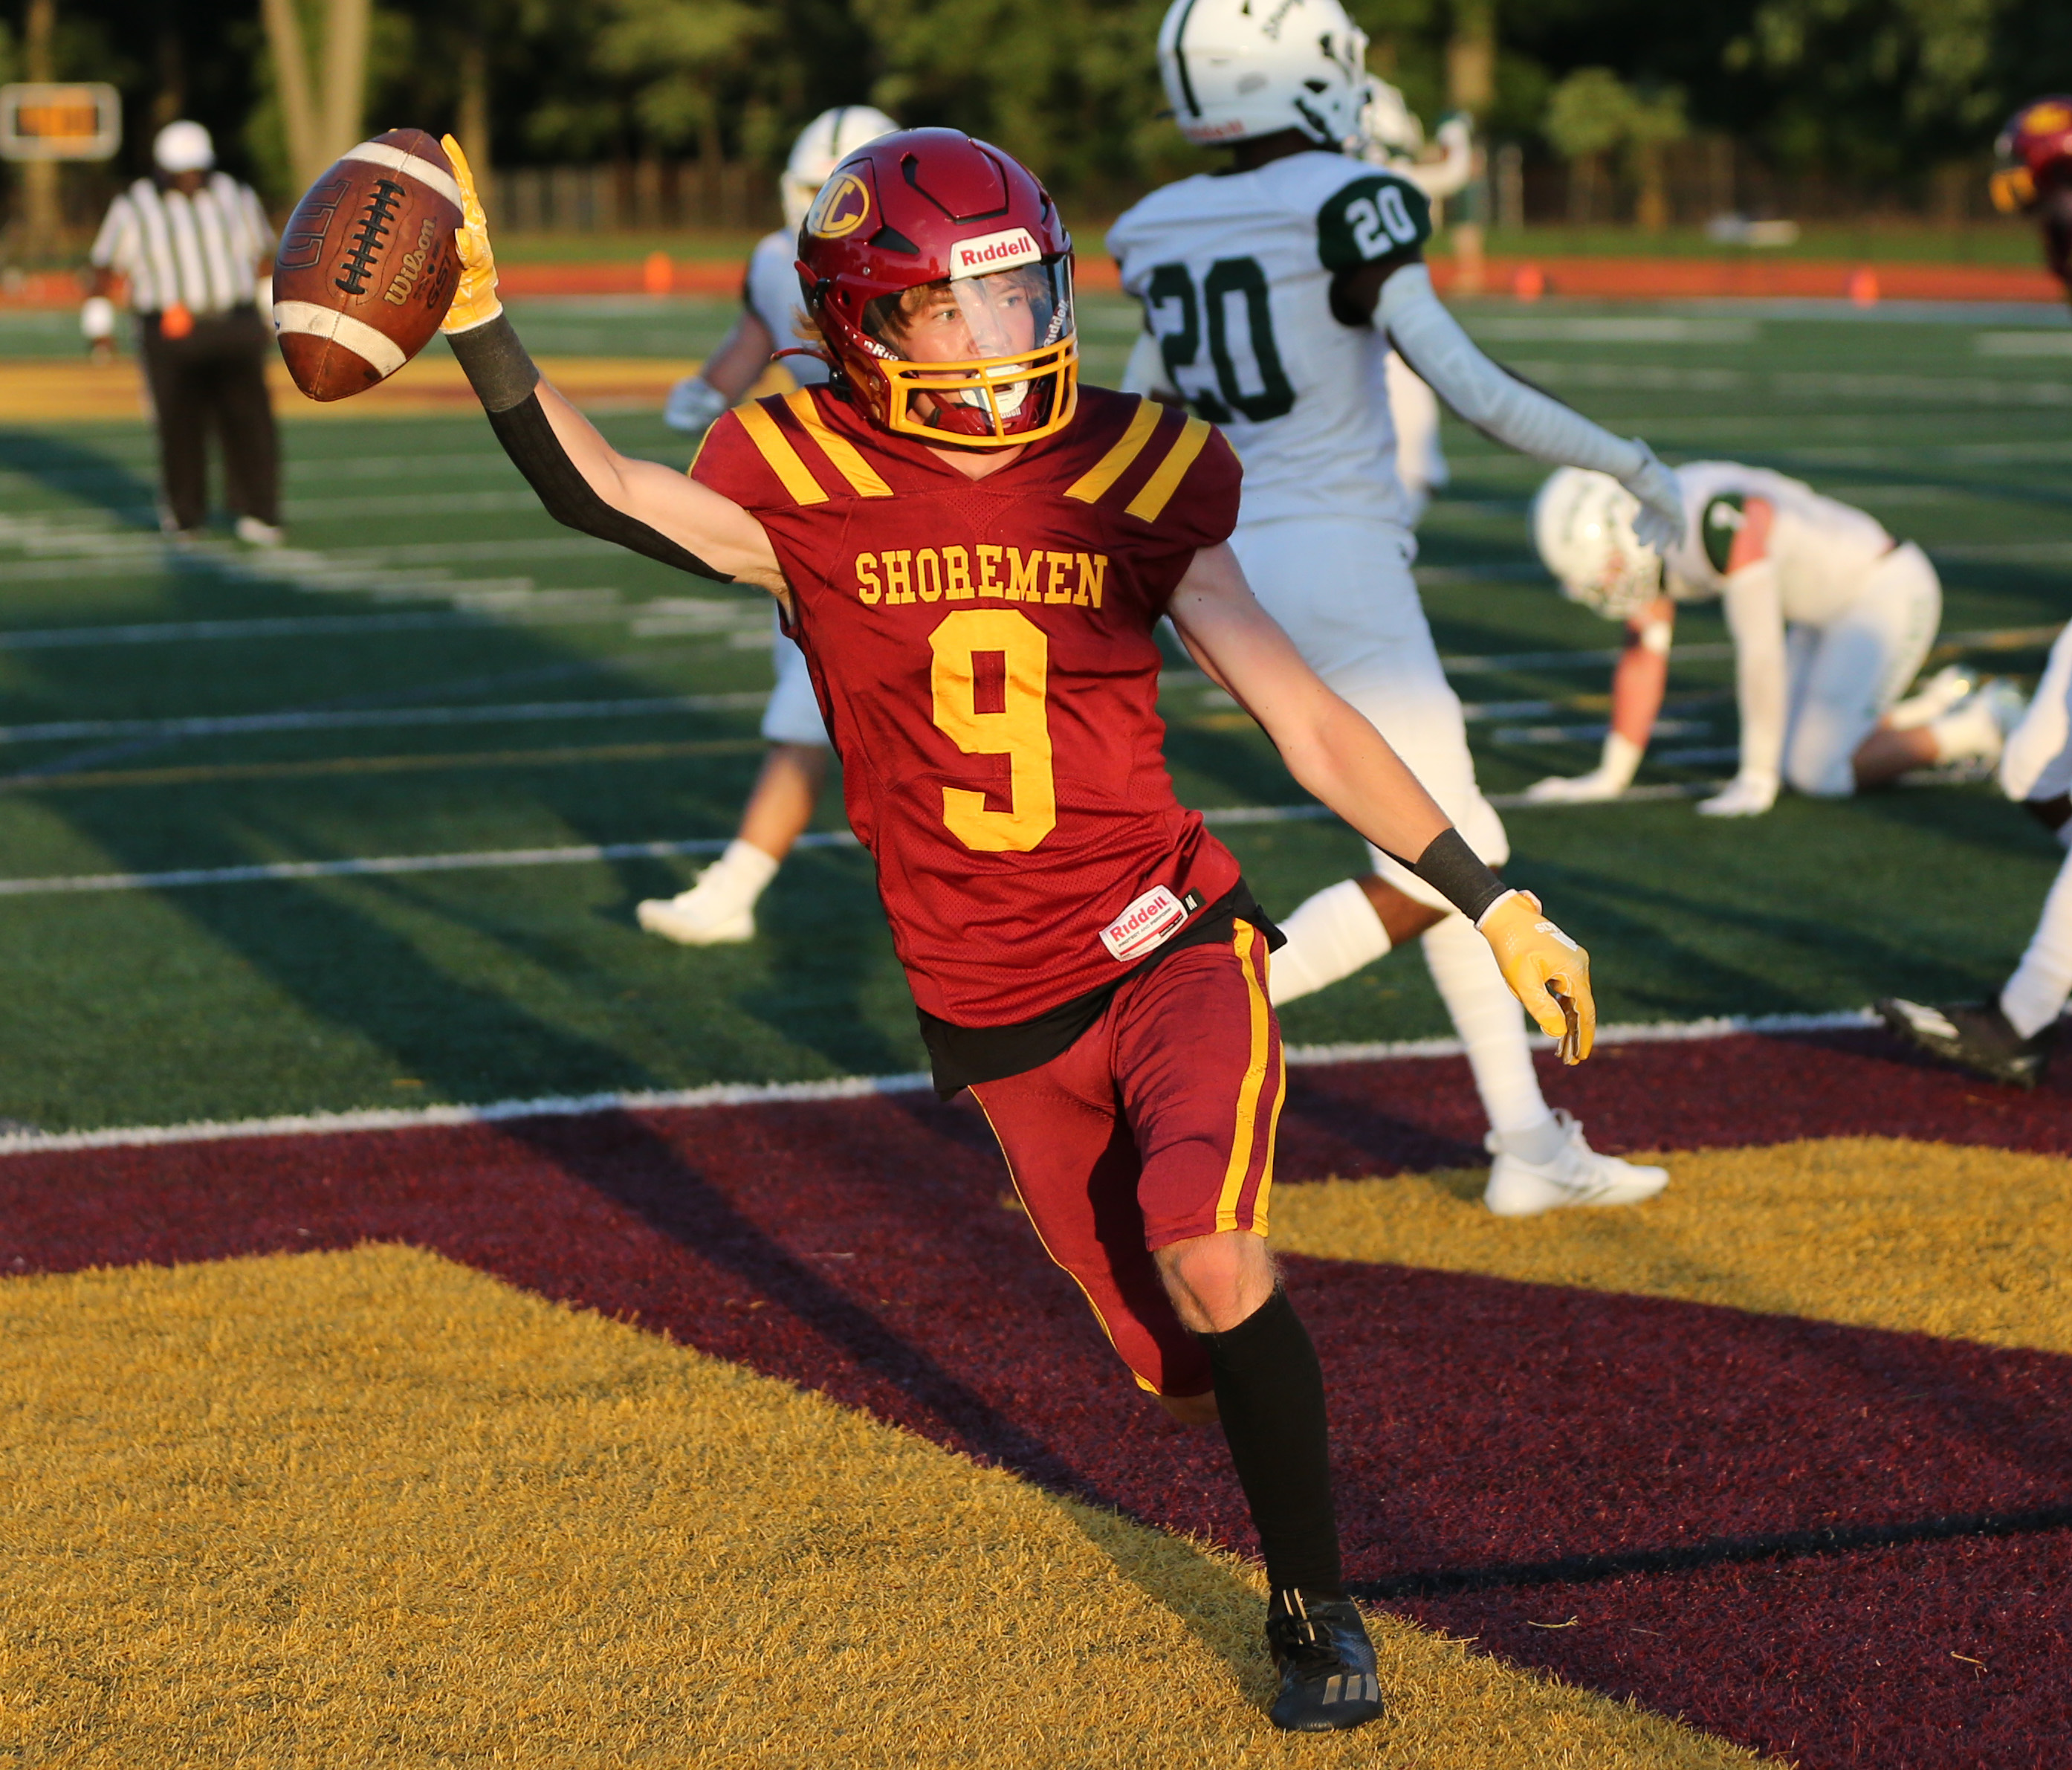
(1156, 1126)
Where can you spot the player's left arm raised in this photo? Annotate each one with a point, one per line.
(1335, 754)
(580, 478)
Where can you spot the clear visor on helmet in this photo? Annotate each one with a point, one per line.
(983, 357)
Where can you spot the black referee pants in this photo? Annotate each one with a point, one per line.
(214, 379)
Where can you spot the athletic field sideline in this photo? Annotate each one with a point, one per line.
(448, 1325)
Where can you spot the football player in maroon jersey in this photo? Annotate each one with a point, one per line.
(973, 551)
(2034, 176)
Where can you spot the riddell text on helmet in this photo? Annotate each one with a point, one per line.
(991, 252)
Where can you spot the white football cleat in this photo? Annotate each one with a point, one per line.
(699, 916)
(1582, 789)
(1975, 730)
(1746, 795)
(255, 533)
(1934, 699)
(1576, 1175)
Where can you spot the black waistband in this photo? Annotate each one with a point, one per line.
(960, 1056)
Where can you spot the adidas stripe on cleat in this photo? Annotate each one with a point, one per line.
(1328, 1680)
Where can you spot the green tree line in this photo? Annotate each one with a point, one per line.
(1876, 90)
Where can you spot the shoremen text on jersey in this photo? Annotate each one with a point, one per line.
(1235, 273)
(984, 655)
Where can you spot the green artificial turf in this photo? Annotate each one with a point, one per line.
(233, 1000)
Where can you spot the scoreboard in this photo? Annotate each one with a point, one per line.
(43, 120)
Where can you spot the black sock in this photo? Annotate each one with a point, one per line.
(1270, 1392)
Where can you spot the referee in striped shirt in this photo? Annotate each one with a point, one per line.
(193, 243)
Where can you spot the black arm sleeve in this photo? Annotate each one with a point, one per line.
(508, 384)
(536, 452)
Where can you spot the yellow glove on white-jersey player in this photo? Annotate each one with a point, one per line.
(1546, 971)
(474, 301)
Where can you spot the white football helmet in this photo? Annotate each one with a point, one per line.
(1582, 524)
(1388, 128)
(1237, 68)
(822, 146)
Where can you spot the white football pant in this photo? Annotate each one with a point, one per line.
(1342, 589)
(1420, 462)
(793, 715)
(1844, 676)
(2036, 763)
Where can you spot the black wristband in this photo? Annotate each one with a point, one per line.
(496, 364)
(1451, 868)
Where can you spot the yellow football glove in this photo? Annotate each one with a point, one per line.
(474, 301)
(1546, 970)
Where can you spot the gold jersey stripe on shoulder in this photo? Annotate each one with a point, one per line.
(848, 461)
(1149, 502)
(1088, 487)
(777, 450)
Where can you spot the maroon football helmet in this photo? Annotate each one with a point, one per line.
(940, 276)
(2034, 150)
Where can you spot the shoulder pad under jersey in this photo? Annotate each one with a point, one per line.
(1369, 217)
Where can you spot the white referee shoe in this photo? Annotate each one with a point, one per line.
(1576, 1174)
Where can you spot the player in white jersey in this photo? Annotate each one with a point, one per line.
(1391, 136)
(1831, 618)
(720, 906)
(1272, 292)
(2010, 1037)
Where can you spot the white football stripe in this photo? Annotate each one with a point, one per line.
(362, 339)
(739, 1093)
(380, 153)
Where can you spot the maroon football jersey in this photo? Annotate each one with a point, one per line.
(983, 653)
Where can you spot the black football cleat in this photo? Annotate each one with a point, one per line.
(1975, 1036)
(1320, 1649)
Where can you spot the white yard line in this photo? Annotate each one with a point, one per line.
(1929, 389)
(838, 1087)
(382, 865)
(346, 718)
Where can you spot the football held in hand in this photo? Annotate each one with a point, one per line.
(367, 266)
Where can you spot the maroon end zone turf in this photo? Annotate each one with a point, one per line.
(1783, 1530)
(1699, 1094)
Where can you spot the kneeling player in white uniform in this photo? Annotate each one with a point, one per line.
(1831, 618)
(1272, 292)
(1391, 136)
(720, 906)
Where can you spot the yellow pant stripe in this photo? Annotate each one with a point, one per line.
(1151, 501)
(1264, 1196)
(778, 451)
(1246, 1133)
(1089, 487)
(863, 479)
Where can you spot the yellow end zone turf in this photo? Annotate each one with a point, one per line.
(1937, 1238)
(69, 390)
(374, 1508)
